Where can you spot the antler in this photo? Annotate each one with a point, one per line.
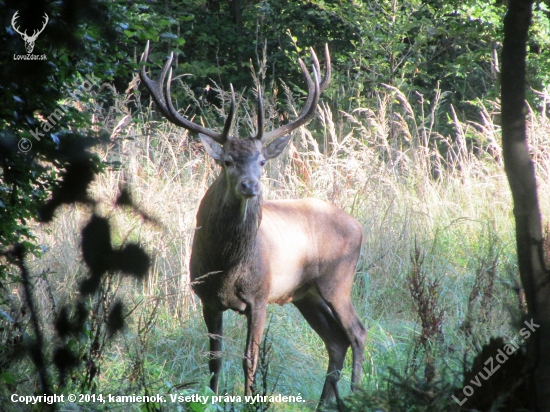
(314, 92)
(25, 35)
(36, 33)
(164, 103)
(166, 107)
(260, 123)
(15, 16)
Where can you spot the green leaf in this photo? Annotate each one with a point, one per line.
(7, 378)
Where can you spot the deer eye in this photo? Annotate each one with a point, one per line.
(262, 162)
(228, 161)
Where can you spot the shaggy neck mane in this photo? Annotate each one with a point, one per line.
(222, 224)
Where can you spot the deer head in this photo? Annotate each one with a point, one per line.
(29, 40)
(242, 160)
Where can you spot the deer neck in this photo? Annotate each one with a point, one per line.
(230, 223)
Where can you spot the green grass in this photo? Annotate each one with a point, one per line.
(462, 221)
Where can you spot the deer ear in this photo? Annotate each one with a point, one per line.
(275, 148)
(212, 147)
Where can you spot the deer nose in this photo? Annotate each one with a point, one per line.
(250, 187)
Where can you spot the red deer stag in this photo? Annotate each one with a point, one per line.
(248, 252)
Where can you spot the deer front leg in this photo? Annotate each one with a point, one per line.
(214, 323)
(256, 316)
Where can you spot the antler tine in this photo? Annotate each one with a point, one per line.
(155, 87)
(316, 75)
(164, 103)
(13, 19)
(37, 32)
(314, 92)
(328, 70)
(188, 124)
(260, 114)
(316, 67)
(230, 116)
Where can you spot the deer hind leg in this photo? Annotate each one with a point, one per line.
(339, 302)
(319, 316)
(214, 323)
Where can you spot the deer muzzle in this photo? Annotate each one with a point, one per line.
(248, 188)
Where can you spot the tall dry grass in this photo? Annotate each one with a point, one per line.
(385, 165)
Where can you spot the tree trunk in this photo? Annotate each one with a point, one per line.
(521, 176)
(237, 15)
